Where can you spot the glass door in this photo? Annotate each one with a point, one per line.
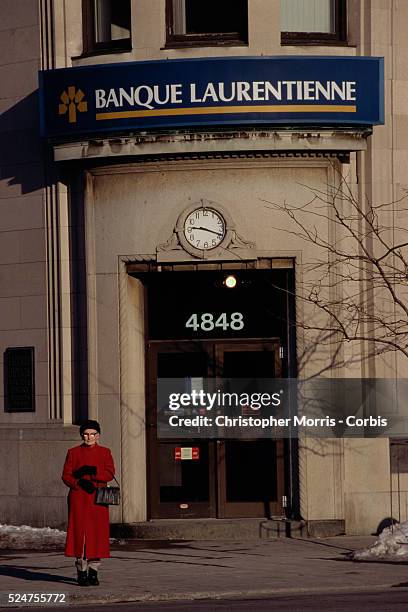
(250, 472)
(181, 471)
(192, 478)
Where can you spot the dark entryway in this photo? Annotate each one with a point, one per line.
(197, 327)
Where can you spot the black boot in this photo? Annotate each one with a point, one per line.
(93, 577)
(82, 578)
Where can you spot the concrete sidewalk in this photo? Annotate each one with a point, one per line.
(165, 571)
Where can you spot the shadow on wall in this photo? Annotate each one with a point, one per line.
(27, 167)
(23, 154)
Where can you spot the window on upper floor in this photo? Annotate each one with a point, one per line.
(313, 21)
(213, 22)
(107, 26)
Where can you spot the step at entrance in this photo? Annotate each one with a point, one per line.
(210, 529)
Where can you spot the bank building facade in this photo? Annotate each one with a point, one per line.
(153, 155)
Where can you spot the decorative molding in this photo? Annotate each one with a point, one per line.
(138, 257)
(239, 144)
(171, 244)
(234, 247)
(47, 34)
(238, 242)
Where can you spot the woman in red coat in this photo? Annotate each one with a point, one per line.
(86, 467)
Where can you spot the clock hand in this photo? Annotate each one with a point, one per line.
(206, 229)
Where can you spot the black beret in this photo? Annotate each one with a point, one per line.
(89, 425)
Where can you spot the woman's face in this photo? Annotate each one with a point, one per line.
(90, 437)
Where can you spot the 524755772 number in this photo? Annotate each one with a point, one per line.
(32, 598)
(207, 321)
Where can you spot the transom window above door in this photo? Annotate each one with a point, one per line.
(313, 21)
(213, 22)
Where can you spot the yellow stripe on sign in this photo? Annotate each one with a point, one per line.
(223, 110)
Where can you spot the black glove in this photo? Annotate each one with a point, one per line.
(84, 470)
(86, 485)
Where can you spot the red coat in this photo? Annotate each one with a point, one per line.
(87, 522)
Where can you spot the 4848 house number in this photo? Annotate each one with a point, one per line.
(208, 321)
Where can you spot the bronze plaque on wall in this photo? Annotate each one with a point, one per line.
(19, 392)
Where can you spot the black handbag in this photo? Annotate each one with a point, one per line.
(108, 496)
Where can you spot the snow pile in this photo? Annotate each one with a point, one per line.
(33, 538)
(392, 545)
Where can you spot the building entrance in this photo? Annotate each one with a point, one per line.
(222, 478)
(199, 328)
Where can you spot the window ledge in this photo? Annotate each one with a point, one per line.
(103, 51)
(204, 43)
(318, 42)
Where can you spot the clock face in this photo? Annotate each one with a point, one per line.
(204, 228)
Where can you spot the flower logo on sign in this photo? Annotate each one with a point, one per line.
(72, 101)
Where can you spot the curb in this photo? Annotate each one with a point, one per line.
(229, 595)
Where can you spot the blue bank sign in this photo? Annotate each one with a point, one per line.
(326, 91)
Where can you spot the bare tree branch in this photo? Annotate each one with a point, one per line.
(355, 276)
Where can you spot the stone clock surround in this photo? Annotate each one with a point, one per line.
(232, 245)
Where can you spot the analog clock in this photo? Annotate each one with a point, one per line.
(204, 228)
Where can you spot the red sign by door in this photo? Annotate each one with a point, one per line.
(183, 453)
